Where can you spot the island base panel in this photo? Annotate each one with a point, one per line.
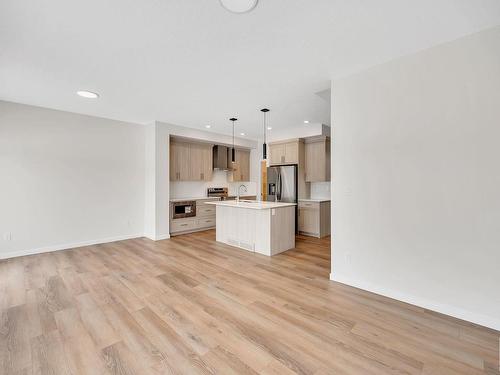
(266, 232)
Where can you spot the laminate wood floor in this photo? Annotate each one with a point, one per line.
(190, 305)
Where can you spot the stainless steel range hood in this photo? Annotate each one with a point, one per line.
(222, 158)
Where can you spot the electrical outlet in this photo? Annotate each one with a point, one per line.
(347, 258)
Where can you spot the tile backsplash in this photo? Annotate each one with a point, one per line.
(320, 190)
(195, 189)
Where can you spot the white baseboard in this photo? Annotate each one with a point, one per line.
(480, 319)
(158, 238)
(48, 249)
(162, 237)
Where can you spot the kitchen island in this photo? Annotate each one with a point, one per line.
(266, 228)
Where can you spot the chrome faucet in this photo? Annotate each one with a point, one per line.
(245, 190)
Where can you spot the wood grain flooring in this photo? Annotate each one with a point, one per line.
(192, 306)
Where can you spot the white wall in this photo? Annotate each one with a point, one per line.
(67, 179)
(416, 155)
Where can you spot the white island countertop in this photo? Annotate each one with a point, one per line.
(316, 200)
(254, 205)
(193, 199)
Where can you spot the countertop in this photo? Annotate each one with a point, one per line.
(314, 200)
(193, 199)
(254, 205)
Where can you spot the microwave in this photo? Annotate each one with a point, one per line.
(183, 209)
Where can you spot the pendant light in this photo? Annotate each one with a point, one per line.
(264, 146)
(232, 150)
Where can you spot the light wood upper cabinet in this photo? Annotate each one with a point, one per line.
(241, 167)
(276, 154)
(208, 166)
(292, 152)
(179, 161)
(285, 152)
(200, 162)
(317, 159)
(190, 161)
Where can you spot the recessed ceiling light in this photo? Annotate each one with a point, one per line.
(269, 128)
(239, 6)
(208, 126)
(87, 94)
(242, 133)
(306, 121)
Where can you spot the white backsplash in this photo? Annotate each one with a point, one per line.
(198, 189)
(320, 190)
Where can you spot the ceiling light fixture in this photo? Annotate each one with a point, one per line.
(239, 6)
(233, 119)
(208, 126)
(264, 145)
(306, 121)
(269, 128)
(87, 94)
(242, 133)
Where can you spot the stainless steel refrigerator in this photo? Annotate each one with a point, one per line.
(282, 185)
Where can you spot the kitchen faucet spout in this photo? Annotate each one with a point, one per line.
(239, 191)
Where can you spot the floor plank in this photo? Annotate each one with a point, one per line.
(190, 305)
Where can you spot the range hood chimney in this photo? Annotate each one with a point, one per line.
(220, 158)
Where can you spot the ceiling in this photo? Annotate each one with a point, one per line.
(192, 63)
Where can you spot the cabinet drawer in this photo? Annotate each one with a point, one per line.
(205, 210)
(180, 225)
(311, 205)
(206, 222)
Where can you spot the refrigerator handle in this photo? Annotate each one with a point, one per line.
(278, 193)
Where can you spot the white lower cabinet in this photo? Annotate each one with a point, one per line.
(182, 225)
(314, 218)
(204, 219)
(206, 222)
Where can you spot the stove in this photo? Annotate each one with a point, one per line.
(220, 192)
